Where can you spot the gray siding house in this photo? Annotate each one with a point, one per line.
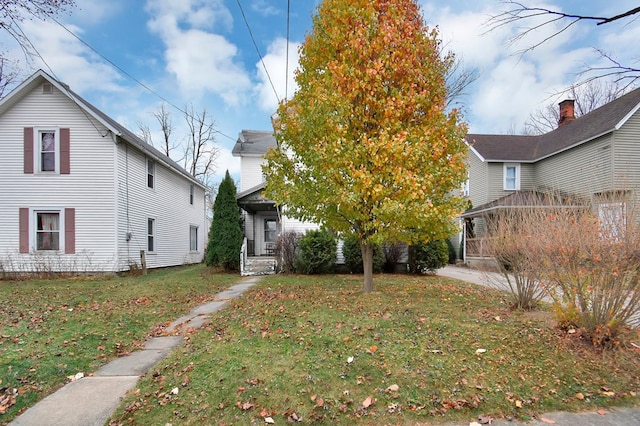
(587, 157)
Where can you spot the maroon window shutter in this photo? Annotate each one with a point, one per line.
(70, 231)
(28, 150)
(65, 151)
(23, 224)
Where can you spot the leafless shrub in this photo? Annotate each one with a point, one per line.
(286, 250)
(510, 245)
(46, 265)
(393, 254)
(584, 256)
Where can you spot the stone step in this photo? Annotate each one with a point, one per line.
(264, 265)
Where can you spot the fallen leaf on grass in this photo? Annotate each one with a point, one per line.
(480, 351)
(518, 403)
(7, 399)
(367, 402)
(580, 396)
(244, 406)
(392, 388)
(269, 420)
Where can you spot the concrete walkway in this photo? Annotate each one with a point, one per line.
(90, 401)
(611, 417)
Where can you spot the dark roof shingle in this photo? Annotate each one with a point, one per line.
(533, 148)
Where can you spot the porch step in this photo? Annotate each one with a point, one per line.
(262, 265)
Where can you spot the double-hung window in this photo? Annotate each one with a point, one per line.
(511, 173)
(151, 235)
(151, 173)
(613, 220)
(48, 150)
(48, 230)
(193, 238)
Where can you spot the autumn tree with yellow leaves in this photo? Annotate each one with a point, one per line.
(367, 146)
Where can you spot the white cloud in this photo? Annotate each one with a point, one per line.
(199, 60)
(275, 62)
(511, 86)
(69, 59)
(264, 8)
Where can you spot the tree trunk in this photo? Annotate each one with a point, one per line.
(367, 264)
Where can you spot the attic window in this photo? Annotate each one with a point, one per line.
(47, 88)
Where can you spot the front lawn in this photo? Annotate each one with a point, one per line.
(52, 329)
(419, 349)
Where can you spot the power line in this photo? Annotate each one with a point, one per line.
(258, 51)
(286, 68)
(150, 90)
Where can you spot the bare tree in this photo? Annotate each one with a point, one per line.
(8, 74)
(201, 151)
(197, 150)
(537, 18)
(587, 97)
(13, 12)
(163, 118)
(459, 79)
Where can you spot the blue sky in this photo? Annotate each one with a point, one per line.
(199, 52)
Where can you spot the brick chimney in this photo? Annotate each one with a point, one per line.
(566, 112)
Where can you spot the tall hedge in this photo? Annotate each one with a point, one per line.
(225, 236)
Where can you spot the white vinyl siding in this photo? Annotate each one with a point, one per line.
(250, 172)
(89, 188)
(106, 188)
(173, 217)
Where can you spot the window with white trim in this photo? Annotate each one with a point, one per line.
(193, 238)
(511, 173)
(48, 150)
(151, 235)
(151, 173)
(613, 220)
(48, 230)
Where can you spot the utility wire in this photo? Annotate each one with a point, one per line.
(150, 90)
(286, 68)
(258, 51)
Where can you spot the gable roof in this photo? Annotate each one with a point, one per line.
(599, 122)
(39, 77)
(253, 143)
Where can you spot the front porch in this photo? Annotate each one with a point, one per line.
(477, 221)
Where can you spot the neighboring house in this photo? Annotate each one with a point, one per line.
(80, 193)
(263, 221)
(591, 157)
